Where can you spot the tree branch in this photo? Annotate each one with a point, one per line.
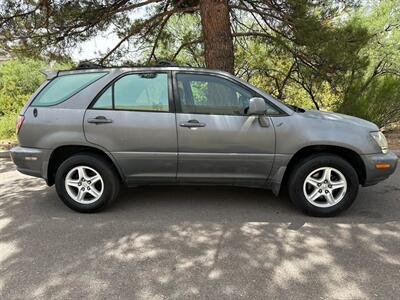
(284, 82)
(163, 24)
(185, 45)
(137, 5)
(135, 29)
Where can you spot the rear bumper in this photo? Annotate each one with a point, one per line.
(31, 161)
(375, 175)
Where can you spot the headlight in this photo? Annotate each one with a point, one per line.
(380, 139)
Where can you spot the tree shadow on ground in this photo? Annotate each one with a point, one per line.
(196, 242)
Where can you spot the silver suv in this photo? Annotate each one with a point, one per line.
(89, 130)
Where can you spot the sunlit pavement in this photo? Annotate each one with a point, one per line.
(196, 243)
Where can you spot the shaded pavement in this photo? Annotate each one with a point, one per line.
(196, 243)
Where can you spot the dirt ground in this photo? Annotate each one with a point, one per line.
(394, 139)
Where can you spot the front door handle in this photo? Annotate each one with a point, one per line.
(99, 120)
(192, 124)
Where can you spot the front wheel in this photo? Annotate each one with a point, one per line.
(323, 185)
(87, 183)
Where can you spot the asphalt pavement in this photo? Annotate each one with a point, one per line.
(196, 243)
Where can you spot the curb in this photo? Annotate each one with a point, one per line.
(5, 154)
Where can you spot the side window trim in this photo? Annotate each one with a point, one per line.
(113, 95)
(178, 107)
(111, 84)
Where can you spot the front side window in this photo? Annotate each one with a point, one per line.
(211, 95)
(207, 94)
(63, 87)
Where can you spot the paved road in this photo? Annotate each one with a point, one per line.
(196, 243)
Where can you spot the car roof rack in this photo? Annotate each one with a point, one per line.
(165, 63)
(88, 65)
(83, 65)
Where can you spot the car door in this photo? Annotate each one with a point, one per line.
(134, 120)
(217, 141)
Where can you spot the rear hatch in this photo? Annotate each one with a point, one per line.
(50, 110)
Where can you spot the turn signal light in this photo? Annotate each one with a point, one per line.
(382, 166)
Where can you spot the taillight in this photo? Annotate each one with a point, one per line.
(20, 121)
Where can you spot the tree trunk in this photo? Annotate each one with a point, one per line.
(217, 35)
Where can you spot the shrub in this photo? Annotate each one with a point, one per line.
(19, 78)
(7, 126)
(378, 102)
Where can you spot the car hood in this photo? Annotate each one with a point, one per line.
(336, 117)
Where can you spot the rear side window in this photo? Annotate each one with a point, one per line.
(63, 87)
(142, 92)
(105, 100)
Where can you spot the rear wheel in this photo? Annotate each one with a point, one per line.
(87, 183)
(323, 185)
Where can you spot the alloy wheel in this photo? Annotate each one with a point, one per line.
(325, 187)
(84, 184)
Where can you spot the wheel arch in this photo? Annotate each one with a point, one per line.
(349, 155)
(61, 153)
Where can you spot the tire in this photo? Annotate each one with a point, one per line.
(97, 195)
(311, 190)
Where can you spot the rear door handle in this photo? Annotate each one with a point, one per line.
(99, 120)
(192, 124)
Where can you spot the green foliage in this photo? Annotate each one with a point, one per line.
(373, 92)
(7, 126)
(378, 103)
(351, 64)
(175, 42)
(18, 81)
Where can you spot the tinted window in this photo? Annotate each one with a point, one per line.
(105, 100)
(142, 92)
(63, 87)
(211, 95)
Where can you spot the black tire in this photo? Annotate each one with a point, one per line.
(100, 165)
(306, 167)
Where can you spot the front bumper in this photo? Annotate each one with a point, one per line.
(31, 161)
(375, 175)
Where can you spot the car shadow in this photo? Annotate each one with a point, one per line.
(237, 204)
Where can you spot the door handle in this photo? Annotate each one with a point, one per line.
(192, 124)
(99, 120)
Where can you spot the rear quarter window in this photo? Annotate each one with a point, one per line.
(63, 87)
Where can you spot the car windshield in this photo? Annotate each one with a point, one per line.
(294, 107)
(272, 98)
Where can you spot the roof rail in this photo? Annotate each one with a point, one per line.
(165, 63)
(88, 65)
(82, 65)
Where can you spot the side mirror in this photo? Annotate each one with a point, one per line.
(257, 106)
